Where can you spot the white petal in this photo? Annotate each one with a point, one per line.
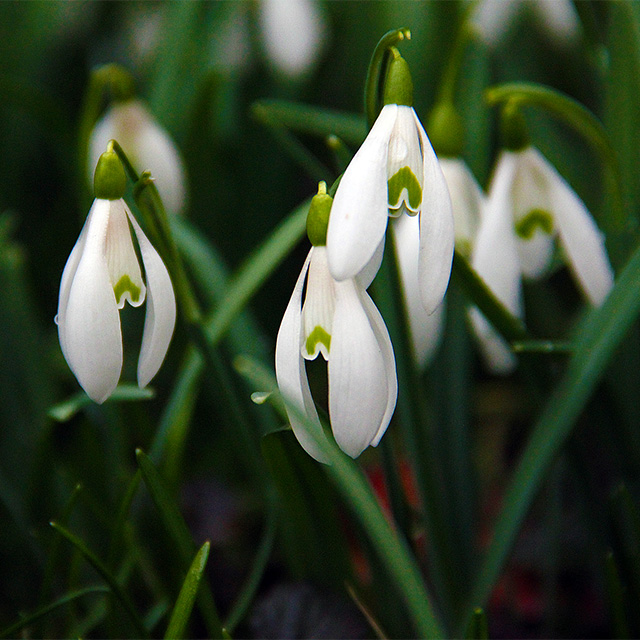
(292, 376)
(148, 147)
(560, 19)
(358, 384)
(436, 229)
(293, 32)
(122, 260)
(160, 318)
(317, 311)
(466, 202)
(492, 18)
(384, 342)
(530, 191)
(580, 237)
(89, 323)
(426, 329)
(360, 208)
(495, 258)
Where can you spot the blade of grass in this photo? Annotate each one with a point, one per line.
(187, 596)
(107, 576)
(12, 630)
(180, 535)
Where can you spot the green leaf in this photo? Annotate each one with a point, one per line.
(107, 576)
(64, 411)
(311, 120)
(27, 620)
(596, 340)
(478, 628)
(187, 596)
(179, 534)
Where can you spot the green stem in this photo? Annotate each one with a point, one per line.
(376, 72)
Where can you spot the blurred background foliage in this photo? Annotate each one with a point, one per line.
(288, 557)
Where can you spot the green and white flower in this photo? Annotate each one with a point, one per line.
(395, 171)
(102, 273)
(529, 207)
(339, 320)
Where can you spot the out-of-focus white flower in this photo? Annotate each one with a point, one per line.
(394, 171)
(467, 202)
(493, 18)
(340, 321)
(528, 207)
(292, 32)
(148, 147)
(101, 273)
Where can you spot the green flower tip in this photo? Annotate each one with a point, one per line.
(513, 128)
(318, 216)
(446, 130)
(109, 179)
(398, 86)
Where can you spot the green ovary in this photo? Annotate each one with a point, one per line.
(404, 179)
(318, 335)
(535, 219)
(126, 284)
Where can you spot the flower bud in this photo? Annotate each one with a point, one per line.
(445, 130)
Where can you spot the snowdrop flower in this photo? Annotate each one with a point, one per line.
(147, 145)
(102, 273)
(292, 32)
(395, 171)
(493, 18)
(529, 206)
(339, 320)
(467, 201)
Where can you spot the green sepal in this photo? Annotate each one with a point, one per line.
(446, 130)
(318, 216)
(535, 219)
(319, 334)
(398, 85)
(109, 179)
(404, 179)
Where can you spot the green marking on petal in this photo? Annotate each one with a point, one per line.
(535, 219)
(126, 284)
(404, 179)
(318, 335)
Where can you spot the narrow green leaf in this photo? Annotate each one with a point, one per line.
(596, 339)
(107, 576)
(64, 411)
(179, 534)
(311, 120)
(186, 598)
(27, 620)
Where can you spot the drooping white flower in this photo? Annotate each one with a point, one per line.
(340, 321)
(394, 171)
(292, 32)
(493, 18)
(101, 273)
(529, 206)
(146, 144)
